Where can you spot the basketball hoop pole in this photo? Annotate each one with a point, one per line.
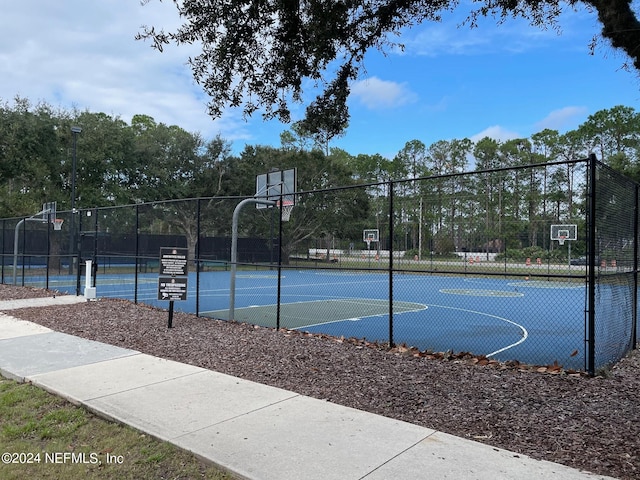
(565, 233)
(561, 240)
(16, 238)
(234, 249)
(279, 286)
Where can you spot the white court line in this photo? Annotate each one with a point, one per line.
(358, 319)
(420, 306)
(270, 287)
(525, 334)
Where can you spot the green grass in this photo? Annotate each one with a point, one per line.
(66, 442)
(446, 266)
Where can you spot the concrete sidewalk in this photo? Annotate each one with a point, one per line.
(253, 430)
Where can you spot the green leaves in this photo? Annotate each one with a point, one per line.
(257, 54)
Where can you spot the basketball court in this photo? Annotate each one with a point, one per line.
(517, 318)
(508, 318)
(498, 317)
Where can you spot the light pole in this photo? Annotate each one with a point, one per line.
(72, 247)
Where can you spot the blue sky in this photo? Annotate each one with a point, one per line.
(450, 82)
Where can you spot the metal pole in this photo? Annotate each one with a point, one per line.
(3, 250)
(77, 253)
(197, 257)
(591, 255)
(95, 248)
(16, 237)
(24, 250)
(46, 276)
(137, 260)
(234, 249)
(73, 170)
(390, 264)
(420, 232)
(72, 248)
(634, 304)
(279, 266)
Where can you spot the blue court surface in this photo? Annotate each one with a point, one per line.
(532, 321)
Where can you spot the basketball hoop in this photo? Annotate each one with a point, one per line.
(564, 233)
(57, 223)
(285, 209)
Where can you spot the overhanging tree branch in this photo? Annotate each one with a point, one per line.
(257, 54)
(620, 25)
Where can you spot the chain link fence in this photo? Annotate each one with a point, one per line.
(462, 262)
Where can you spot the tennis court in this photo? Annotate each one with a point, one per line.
(532, 321)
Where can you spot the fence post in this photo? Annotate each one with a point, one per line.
(77, 249)
(391, 264)
(279, 294)
(591, 256)
(136, 266)
(634, 296)
(3, 250)
(48, 258)
(94, 269)
(197, 259)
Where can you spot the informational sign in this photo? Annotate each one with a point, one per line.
(172, 276)
(173, 261)
(172, 288)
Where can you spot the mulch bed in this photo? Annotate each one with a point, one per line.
(543, 411)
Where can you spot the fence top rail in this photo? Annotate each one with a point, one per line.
(336, 188)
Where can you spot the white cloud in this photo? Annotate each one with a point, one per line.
(495, 132)
(72, 54)
(79, 54)
(562, 119)
(433, 40)
(377, 94)
(453, 35)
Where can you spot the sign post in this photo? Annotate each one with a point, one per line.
(173, 276)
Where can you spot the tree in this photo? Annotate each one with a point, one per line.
(487, 155)
(258, 54)
(104, 150)
(30, 167)
(614, 135)
(316, 214)
(299, 138)
(572, 146)
(370, 168)
(173, 164)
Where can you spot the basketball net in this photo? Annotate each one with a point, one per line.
(57, 224)
(561, 240)
(285, 210)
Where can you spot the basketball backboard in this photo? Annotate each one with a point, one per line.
(562, 233)
(370, 235)
(49, 211)
(277, 186)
